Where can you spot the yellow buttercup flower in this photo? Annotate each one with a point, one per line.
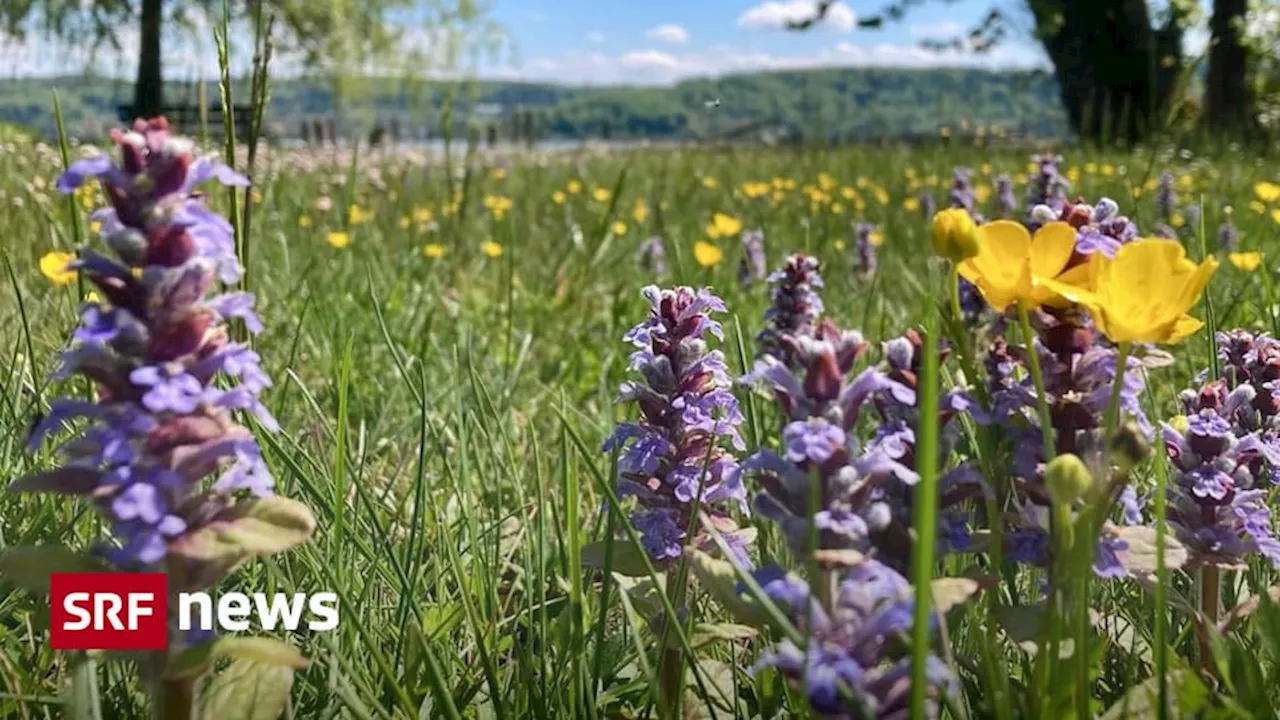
(724, 226)
(755, 189)
(491, 248)
(1010, 261)
(1267, 192)
(911, 204)
(574, 187)
(54, 266)
(618, 227)
(954, 235)
(601, 195)
(710, 183)
(1144, 293)
(706, 254)
(304, 221)
(1245, 261)
(876, 238)
(356, 215)
(982, 193)
(640, 211)
(558, 197)
(404, 222)
(1275, 216)
(339, 239)
(1177, 220)
(1257, 207)
(433, 250)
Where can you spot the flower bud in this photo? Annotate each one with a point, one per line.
(1067, 478)
(1129, 446)
(129, 244)
(955, 236)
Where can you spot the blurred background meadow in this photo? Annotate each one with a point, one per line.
(447, 235)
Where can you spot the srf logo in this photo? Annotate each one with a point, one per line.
(108, 611)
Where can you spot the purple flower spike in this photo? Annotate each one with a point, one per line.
(796, 306)
(673, 459)
(160, 426)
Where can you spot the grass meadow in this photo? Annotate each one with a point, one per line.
(445, 340)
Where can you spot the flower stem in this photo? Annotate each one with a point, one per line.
(671, 664)
(926, 512)
(175, 700)
(1037, 376)
(1112, 419)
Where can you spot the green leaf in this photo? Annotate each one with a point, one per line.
(258, 527)
(627, 558)
(29, 567)
(261, 650)
(247, 690)
(950, 592)
(1141, 701)
(708, 633)
(719, 578)
(67, 480)
(1140, 557)
(719, 680)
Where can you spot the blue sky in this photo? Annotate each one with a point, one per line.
(603, 42)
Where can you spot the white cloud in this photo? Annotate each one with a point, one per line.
(595, 36)
(774, 15)
(941, 30)
(655, 67)
(646, 60)
(670, 33)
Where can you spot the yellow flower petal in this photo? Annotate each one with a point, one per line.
(706, 254)
(1245, 261)
(433, 250)
(491, 248)
(54, 266)
(339, 239)
(1000, 270)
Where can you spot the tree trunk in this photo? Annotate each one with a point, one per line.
(1115, 72)
(1227, 101)
(148, 91)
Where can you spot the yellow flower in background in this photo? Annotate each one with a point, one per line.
(640, 211)
(404, 222)
(982, 193)
(422, 214)
(618, 228)
(724, 226)
(911, 204)
(838, 244)
(601, 195)
(256, 196)
(558, 197)
(837, 208)
(1267, 192)
(1275, 216)
(881, 196)
(1033, 168)
(491, 248)
(710, 183)
(1136, 191)
(1151, 184)
(304, 221)
(1010, 262)
(1186, 181)
(356, 215)
(54, 266)
(1245, 261)
(1257, 207)
(95, 227)
(574, 187)
(1177, 220)
(931, 180)
(1108, 171)
(339, 239)
(862, 182)
(954, 235)
(1091, 168)
(985, 168)
(706, 254)
(876, 238)
(433, 250)
(755, 190)
(825, 182)
(499, 173)
(1144, 293)
(944, 131)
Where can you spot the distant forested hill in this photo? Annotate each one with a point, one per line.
(844, 103)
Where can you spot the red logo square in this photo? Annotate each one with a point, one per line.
(109, 611)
